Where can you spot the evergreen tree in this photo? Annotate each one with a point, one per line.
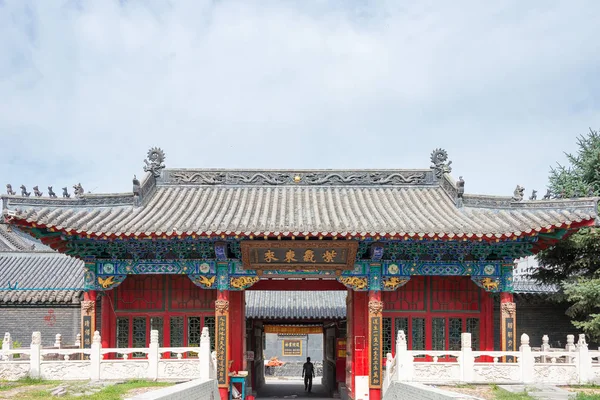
(574, 263)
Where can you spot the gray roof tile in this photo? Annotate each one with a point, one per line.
(297, 305)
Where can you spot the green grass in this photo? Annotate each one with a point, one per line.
(586, 396)
(501, 394)
(116, 392)
(7, 385)
(112, 392)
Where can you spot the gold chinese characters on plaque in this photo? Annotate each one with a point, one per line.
(298, 255)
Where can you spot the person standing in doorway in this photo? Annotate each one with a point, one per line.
(308, 370)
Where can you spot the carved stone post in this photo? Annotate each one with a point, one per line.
(467, 361)
(375, 348)
(404, 360)
(88, 318)
(204, 354)
(35, 357)
(585, 361)
(95, 356)
(222, 341)
(526, 360)
(508, 322)
(153, 356)
(6, 345)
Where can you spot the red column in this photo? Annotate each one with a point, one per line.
(223, 346)
(106, 327)
(238, 330)
(375, 338)
(360, 345)
(508, 322)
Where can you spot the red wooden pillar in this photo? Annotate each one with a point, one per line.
(88, 318)
(238, 330)
(360, 345)
(106, 327)
(222, 342)
(508, 322)
(375, 338)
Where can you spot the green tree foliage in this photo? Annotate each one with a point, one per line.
(574, 263)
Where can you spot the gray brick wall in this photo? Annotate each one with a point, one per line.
(49, 320)
(537, 317)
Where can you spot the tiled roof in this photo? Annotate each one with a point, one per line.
(33, 273)
(15, 240)
(297, 305)
(524, 285)
(348, 203)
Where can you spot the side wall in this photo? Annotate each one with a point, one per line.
(537, 316)
(49, 320)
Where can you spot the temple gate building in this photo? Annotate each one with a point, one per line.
(412, 250)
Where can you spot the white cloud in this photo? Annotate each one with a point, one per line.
(87, 87)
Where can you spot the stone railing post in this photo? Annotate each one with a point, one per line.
(526, 360)
(153, 356)
(35, 355)
(584, 360)
(204, 355)
(58, 341)
(466, 360)
(545, 347)
(95, 356)
(6, 345)
(404, 360)
(570, 346)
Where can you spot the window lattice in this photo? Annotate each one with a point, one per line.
(184, 295)
(454, 331)
(209, 322)
(139, 334)
(418, 334)
(194, 333)
(176, 333)
(122, 332)
(438, 334)
(141, 292)
(473, 329)
(454, 293)
(156, 324)
(386, 337)
(410, 297)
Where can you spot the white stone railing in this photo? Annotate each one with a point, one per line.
(59, 363)
(574, 365)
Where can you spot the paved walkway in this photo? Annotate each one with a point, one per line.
(292, 389)
(542, 392)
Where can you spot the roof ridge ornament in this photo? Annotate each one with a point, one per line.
(441, 165)
(155, 161)
(9, 190)
(519, 193)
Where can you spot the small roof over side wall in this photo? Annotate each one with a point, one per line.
(32, 273)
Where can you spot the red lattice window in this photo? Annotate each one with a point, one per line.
(141, 292)
(184, 295)
(410, 297)
(454, 293)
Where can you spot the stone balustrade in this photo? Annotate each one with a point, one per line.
(98, 363)
(575, 364)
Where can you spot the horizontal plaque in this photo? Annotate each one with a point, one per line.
(291, 347)
(299, 255)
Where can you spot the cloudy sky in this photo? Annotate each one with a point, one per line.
(86, 87)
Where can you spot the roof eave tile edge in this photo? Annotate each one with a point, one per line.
(495, 237)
